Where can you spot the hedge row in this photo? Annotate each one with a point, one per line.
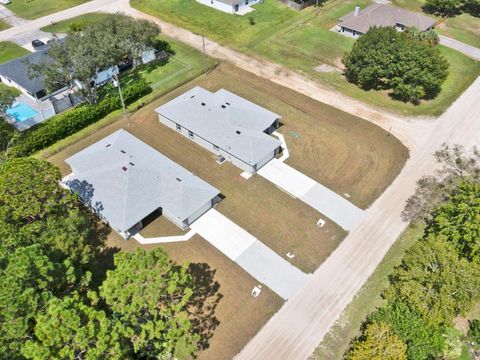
(63, 125)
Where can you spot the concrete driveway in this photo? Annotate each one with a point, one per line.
(327, 202)
(251, 254)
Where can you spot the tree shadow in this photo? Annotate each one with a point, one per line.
(203, 303)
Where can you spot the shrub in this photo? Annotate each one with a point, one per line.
(63, 125)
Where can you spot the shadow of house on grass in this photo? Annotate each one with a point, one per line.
(203, 303)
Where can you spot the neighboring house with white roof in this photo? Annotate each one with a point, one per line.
(125, 180)
(230, 6)
(359, 21)
(228, 125)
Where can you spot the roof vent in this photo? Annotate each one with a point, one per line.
(123, 151)
(108, 145)
(238, 132)
(227, 103)
(224, 106)
(124, 168)
(178, 179)
(203, 104)
(191, 97)
(131, 163)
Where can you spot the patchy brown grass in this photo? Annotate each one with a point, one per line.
(339, 150)
(240, 315)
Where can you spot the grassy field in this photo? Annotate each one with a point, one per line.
(32, 9)
(10, 51)
(63, 26)
(303, 41)
(239, 315)
(337, 341)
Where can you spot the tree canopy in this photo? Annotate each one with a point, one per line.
(409, 65)
(453, 7)
(434, 281)
(150, 294)
(378, 343)
(93, 47)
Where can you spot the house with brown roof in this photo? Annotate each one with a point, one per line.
(359, 21)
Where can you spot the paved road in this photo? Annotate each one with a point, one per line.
(466, 49)
(296, 330)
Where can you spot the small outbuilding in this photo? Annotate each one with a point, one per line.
(230, 6)
(123, 180)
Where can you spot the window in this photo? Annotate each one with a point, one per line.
(190, 135)
(179, 128)
(215, 147)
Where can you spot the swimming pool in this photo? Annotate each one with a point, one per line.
(21, 111)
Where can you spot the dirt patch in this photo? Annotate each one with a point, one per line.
(325, 68)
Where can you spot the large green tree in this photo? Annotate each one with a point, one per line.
(458, 220)
(423, 340)
(386, 59)
(150, 294)
(71, 329)
(434, 281)
(35, 209)
(378, 342)
(92, 48)
(27, 282)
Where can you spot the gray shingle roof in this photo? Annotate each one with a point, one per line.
(383, 15)
(125, 180)
(226, 120)
(17, 70)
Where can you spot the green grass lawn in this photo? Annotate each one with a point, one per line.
(10, 51)
(63, 26)
(337, 341)
(302, 41)
(32, 9)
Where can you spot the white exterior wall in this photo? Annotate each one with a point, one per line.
(217, 5)
(226, 7)
(202, 210)
(207, 145)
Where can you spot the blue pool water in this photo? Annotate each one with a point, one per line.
(21, 112)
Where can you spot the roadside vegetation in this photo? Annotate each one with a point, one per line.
(303, 41)
(32, 9)
(435, 288)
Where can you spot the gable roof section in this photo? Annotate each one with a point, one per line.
(17, 70)
(125, 180)
(383, 15)
(226, 120)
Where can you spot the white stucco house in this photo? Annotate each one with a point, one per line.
(123, 180)
(231, 6)
(233, 128)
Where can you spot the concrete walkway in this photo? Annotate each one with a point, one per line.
(319, 197)
(465, 49)
(250, 253)
(163, 239)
